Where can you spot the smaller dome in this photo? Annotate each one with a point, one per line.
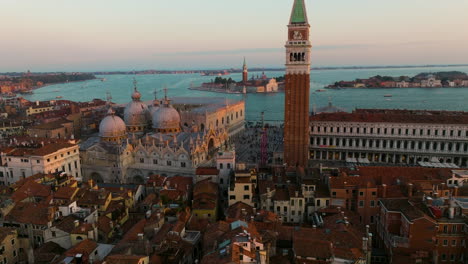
(166, 118)
(136, 95)
(112, 126)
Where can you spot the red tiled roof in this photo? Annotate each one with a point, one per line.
(207, 171)
(85, 247)
(31, 189)
(395, 116)
(31, 213)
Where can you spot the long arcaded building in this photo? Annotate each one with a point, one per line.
(411, 137)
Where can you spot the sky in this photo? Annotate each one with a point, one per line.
(91, 35)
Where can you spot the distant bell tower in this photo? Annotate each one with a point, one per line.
(245, 73)
(297, 88)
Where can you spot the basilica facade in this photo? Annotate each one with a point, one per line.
(151, 140)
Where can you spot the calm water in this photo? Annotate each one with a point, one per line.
(120, 87)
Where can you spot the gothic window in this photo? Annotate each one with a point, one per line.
(182, 164)
(155, 161)
(169, 163)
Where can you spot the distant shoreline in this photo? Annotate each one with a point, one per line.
(255, 69)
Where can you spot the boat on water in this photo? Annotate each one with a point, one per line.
(103, 80)
(388, 95)
(320, 90)
(59, 97)
(388, 99)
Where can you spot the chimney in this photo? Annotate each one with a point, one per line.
(37, 103)
(140, 236)
(91, 183)
(77, 223)
(384, 190)
(410, 190)
(455, 191)
(429, 200)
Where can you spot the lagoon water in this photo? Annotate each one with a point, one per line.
(121, 86)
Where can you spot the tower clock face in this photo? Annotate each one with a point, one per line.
(297, 35)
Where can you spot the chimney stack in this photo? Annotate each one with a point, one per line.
(410, 190)
(384, 190)
(77, 223)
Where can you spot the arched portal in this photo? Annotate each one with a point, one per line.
(96, 177)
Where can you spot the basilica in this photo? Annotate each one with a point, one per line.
(152, 140)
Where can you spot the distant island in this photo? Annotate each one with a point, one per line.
(256, 84)
(24, 83)
(422, 80)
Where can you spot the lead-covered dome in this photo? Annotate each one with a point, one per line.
(136, 113)
(166, 119)
(112, 126)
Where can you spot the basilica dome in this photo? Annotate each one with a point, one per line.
(112, 126)
(166, 119)
(136, 113)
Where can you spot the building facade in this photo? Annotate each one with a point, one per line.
(129, 152)
(297, 87)
(391, 136)
(29, 156)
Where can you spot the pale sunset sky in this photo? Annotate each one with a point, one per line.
(90, 35)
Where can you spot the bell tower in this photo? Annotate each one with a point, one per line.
(245, 73)
(297, 88)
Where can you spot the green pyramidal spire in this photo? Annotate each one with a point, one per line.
(299, 14)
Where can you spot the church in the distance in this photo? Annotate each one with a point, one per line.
(155, 139)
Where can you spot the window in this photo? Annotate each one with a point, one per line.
(169, 163)
(221, 166)
(372, 219)
(155, 161)
(246, 197)
(229, 165)
(293, 212)
(445, 242)
(454, 227)
(300, 202)
(361, 204)
(142, 160)
(182, 164)
(334, 194)
(318, 202)
(292, 202)
(454, 243)
(445, 229)
(374, 193)
(285, 208)
(443, 257)
(246, 187)
(361, 193)
(372, 203)
(232, 197)
(13, 241)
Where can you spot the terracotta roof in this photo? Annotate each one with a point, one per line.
(207, 171)
(171, 194)
(66, 223)
(235, 211)
(104, 224)
(85, 247)
(31, 213)
(83, 229)
(48, 252)
(404, 206)
(124, 259)
(52, 125)
(5, 232)
(395, 116)
(65, 193)
(93, 197)
(281, 195)
(320, 249)
(205, 186)
(243, 179)
(205, 201)
(31, 189)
